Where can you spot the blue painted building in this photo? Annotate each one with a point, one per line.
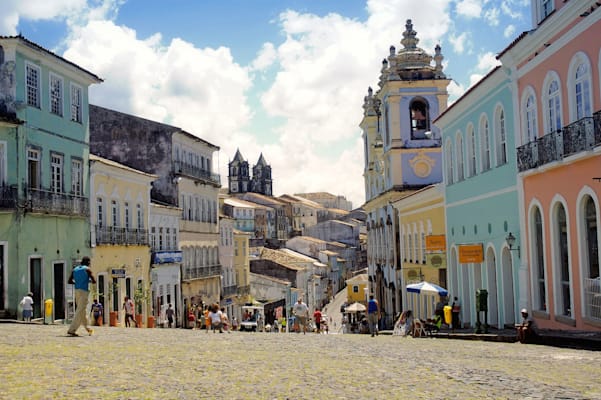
(481, 196)
(44, 151)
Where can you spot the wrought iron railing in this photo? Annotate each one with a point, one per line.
(592, 298)
(49, 202)
(8, 196)
(228, 291)
(121, 236)
(574, 138)
(190, 273)
(195, 172)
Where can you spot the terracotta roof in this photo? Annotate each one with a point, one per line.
(512, 44)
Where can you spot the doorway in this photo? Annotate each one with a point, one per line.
(59, 290)
(35, 285)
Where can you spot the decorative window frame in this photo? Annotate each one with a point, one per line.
(460, 161)
(526, 113)
(60, 96)
(578, 59)
(485, 143)
(471, 146)
(500, 135)
(33, 91)
(551, 77)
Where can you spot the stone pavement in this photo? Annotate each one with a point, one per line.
(42, 362)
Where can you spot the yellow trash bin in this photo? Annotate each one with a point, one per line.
(447, 315)
(48, 305)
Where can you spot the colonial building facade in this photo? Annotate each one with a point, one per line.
(402, 154)
(44, 223)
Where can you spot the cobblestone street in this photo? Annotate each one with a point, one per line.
(41, 362)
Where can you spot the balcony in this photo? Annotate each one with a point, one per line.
(228, 291)
(579, 136)
(48, 202)
(244, 290)
(8, 197)
(196, 173)
(190, 273)
(121, 236)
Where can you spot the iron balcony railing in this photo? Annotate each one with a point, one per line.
(190, 273)
(228, 291)
(121, 236)
(582, 135)
(244, 290)
(49, 202)
(592, 298)
(8, 196)
(195, 172)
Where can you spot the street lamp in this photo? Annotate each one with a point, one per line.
(510, 239)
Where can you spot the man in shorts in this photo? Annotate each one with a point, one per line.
(301, 312)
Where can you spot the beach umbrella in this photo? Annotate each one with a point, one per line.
(427, 288)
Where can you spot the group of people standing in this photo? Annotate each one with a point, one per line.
(213, 317)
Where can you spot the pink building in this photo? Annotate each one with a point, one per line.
(556, 69)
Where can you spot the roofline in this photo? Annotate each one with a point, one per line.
(38, 47)
(512, 44)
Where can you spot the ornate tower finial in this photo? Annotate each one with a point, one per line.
(409, 40)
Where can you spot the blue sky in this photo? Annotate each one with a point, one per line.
(282, 77)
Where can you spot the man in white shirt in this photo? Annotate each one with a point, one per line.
(301, 312)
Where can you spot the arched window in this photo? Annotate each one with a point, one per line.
(530, 112)
(539, 260)
(590, 224)
(582, 88)
(471, 151)
(561, 243)
(501, 136)
(459, 152)
(553, 114)
(420, 118)
(485, 144)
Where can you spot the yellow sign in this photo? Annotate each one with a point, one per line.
(436, 243)
(436, 260)
(471, 253)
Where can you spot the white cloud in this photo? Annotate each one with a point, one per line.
(460, 42)
(265, 58)
(492, 16)
(486, 62)
(200, 90)
(509, 31)
(469, 8)
(73, 12)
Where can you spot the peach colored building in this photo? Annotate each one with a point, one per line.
(556, 70)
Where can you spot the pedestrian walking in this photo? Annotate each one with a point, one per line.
(225, 322)
(207, 319)
(301, 312)
(455, 310)
(317, 319)
(97, 311)
(128, 306)
(81, 276)
(27, 304)
(373, 315)
(170, 314)
(215, 316)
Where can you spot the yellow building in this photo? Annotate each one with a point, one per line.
(242, 265)
(356, 288)
(119, 209)
(422, 243)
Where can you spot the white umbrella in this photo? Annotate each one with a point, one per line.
(427, 288)
(355, 307)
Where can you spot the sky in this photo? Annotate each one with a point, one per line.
(285, 78)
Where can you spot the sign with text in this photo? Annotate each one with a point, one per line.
(118, 272)
(166, 257)
(436, 243)
(471, 253)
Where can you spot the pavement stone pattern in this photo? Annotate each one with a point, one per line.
(42, 362)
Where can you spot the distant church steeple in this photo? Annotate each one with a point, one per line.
(239, 174)
(261, 181)
(240, 180)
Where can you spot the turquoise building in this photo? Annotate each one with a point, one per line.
(44, 149)
(481, 196)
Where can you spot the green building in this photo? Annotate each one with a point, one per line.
(44, 149)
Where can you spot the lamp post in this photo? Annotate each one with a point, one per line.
(510, 239)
